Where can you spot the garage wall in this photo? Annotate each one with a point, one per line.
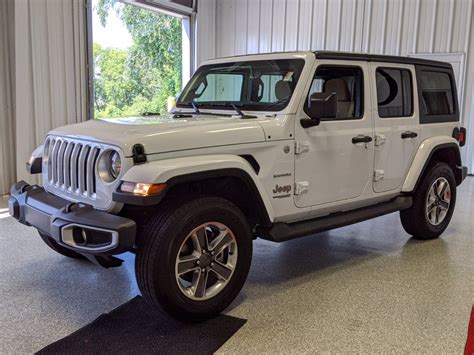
(50, 77)
(404, 27)
(7, 100)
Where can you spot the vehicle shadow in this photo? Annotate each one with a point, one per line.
(312, 255)
(277, 266)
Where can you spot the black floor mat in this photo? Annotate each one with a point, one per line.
(132, 328)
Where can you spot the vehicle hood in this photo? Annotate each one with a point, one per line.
(160, 134)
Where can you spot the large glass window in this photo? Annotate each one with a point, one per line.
(436, 92)
(394, 92)
(137, 54)
(346, 83)
(254, 85)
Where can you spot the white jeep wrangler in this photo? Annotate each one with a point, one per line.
(274, 146)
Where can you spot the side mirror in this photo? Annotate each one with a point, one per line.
(321, 105)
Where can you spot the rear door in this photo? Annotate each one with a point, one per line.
(396, 123)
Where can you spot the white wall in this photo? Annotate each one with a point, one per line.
(403, 27)
(7, 99)
(51, 73)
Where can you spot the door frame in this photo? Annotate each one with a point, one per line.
(367, 116)
(394, 121)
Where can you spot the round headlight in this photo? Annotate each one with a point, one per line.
(109, 166)
(115, 164)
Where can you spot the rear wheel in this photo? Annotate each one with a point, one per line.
(50, 242)
(194, 257)
(433, 204)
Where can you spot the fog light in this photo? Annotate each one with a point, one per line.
(88, 238)
(79, 236)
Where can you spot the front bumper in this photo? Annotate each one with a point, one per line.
(76, 226)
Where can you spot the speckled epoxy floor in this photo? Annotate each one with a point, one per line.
(362, 288)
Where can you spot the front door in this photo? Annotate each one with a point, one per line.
(334, 160)
(396, 123)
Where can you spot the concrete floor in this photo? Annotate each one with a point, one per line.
(362, 288)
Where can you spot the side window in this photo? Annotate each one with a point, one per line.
(436, 92)
(346, 83)
(394, 92)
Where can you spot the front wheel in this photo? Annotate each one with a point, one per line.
(194, 257)
(433, 204)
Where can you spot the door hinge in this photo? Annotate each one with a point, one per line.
(301, 147)
(301, 186)
(378, 175)
(379, 139)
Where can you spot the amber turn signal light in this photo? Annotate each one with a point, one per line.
(141, 188)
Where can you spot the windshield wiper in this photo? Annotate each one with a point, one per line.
(195, 107)
(236, 109)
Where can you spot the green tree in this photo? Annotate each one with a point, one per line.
(130, 82)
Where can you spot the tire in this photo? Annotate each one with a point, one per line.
(167, 236)
(416, 220)
(50, 242)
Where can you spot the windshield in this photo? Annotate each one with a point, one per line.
(264, 85)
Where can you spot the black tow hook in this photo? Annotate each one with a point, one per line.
(74, 206)
(71, 207)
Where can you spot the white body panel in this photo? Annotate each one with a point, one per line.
(331, 174)
(162, 134)
(335, 168)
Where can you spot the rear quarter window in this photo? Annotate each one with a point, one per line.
(437, 95)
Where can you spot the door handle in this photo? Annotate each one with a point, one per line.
(361, 139)
(408, 134)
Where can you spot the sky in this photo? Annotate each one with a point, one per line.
(114, 34)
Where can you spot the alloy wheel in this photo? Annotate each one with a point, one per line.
(438, 201)
(206, 261)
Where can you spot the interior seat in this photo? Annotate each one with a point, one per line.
(282, 90)
(345, 104)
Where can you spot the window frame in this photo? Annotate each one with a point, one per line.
(188, 49)
(362, 85)
(426, 119)
(412, 111)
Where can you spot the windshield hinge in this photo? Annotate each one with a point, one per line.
(301, 147)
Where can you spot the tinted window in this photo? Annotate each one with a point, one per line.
(394, 92)
(346, 83)
(436, 93)
(253, 85)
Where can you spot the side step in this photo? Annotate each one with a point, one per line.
(281, 231)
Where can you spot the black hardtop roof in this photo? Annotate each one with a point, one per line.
(323, 54)
(379, 58)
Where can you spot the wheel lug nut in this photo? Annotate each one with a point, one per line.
(212, 264)
(203, 270)
(198, 262)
